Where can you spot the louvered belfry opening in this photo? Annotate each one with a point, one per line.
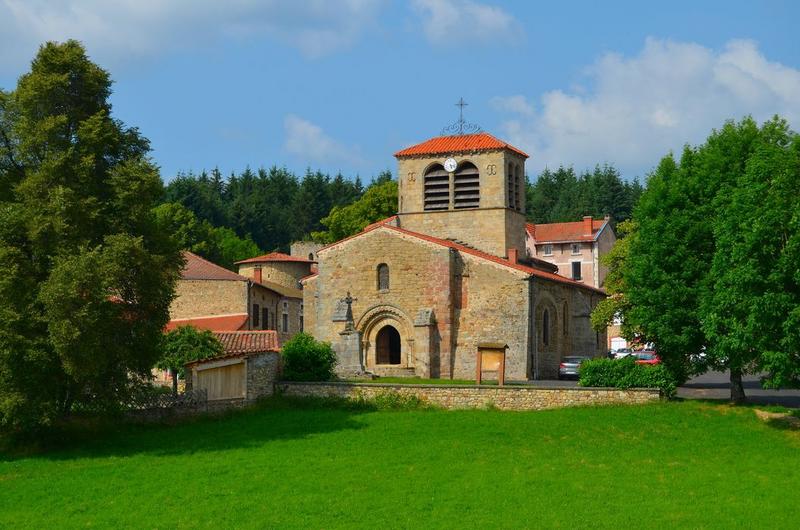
(512, 188)
(437, 188)
(466, 189)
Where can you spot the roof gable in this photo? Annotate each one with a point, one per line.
(275, 256)
(565, 232)
(459, 143)
(197, 268)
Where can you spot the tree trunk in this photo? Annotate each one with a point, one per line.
(737, 389)
(174, 382)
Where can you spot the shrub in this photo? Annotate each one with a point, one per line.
(307, 359)
(625, 373)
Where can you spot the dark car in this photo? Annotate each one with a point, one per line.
(570, 366)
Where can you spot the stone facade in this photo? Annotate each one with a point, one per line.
(494, 227)
(476, 397)
(305, 249)
(283, 273)
(262, 371)
(196, 298)
(430, 285)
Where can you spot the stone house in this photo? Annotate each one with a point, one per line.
(246, 372)
(449, 272)
(215, 298)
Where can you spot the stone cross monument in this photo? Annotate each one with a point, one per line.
(348, 350)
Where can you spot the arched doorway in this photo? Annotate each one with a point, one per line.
(387, 346)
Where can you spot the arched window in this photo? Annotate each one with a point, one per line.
(546, 327)
(466, 186)
(566, 320)
(310, 256)
(437, 188)
(383, 277)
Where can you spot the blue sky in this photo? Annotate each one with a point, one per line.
(341, 85)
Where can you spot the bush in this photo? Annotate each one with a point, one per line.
(307, 359)
(625, 373)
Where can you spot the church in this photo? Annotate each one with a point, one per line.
(419, 293)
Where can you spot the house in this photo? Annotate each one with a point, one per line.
(416, 294)
(212, 297)
(574, 247)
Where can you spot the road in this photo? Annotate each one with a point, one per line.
(712, 385)
(716, 385)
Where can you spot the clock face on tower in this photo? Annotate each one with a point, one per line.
(450, 165)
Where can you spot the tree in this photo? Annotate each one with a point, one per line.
(751, 311)
(378, 202)
(219, 245)
(86, 276)
(185, 344)
(710, 265)
(306, 359)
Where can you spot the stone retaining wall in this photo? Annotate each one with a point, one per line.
(473, 397)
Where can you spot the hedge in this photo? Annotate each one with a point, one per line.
(625, 373)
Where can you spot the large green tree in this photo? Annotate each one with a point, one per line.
(710, 264)
(86, 277)
(185, 344)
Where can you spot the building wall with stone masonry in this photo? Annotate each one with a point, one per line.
(475, 397)
(419, 278)
(286, 273)
(262, 372)
(276, 305)
(570, 331)
(605, 242)
(492, 227)
(196, 298)
(305, 249)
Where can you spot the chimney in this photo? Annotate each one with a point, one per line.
(512, 255)
(257, 274)
(587, 225)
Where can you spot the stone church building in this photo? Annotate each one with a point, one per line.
(448, 274)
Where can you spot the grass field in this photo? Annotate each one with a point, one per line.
(285, 465)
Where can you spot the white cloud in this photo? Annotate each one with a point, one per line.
(123, 29)
(453, 22)
(309, 142)
(636, 109)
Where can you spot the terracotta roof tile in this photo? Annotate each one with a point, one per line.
(456, 144)
(275, 256)
(249, 341)
(197, 268)
(212, 323)
(564, 232)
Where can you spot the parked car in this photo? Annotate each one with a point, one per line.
(647, 357)
(622, 352)
(570, 366)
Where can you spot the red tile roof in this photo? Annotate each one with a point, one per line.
(564, 232)
(233, 322)
(458, 144)
(469, 250)
(249, 341)
(275, 256)
(197, 268)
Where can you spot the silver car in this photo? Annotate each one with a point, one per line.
(570, 366)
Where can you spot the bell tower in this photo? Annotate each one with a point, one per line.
(468, 188)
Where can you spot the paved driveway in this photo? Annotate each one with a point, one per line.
(716, 385)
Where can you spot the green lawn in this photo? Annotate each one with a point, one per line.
(664, 465)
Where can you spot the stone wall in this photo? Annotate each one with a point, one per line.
(285, 273)
(197, 298)
(305, 249)
(262, 371)
(474, 397)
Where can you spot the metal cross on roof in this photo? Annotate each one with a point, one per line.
(461, 127)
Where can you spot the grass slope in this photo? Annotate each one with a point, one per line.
(283, 465)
